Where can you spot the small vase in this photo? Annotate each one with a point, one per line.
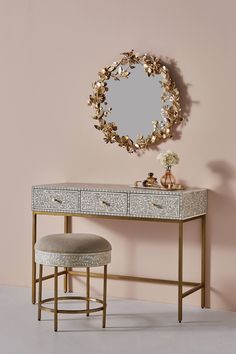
(168, 179)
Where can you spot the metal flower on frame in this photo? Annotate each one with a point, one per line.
(120, 70)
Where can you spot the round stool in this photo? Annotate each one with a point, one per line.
(71, 251)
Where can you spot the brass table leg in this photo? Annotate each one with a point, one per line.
(55, 298)
(67, 229)
(34, 237)
(87, 289)
(40, 291)
(104, 297)
(203, 260)
(180, 273)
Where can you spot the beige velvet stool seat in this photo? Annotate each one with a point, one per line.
(71, 251)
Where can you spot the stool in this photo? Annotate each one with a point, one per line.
(70, 251)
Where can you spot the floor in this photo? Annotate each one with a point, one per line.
(132, 327)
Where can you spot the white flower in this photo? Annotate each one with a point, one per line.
(168, 158)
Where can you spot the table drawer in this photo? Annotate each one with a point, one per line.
(55, 200)
(152, 205)
(104, 202)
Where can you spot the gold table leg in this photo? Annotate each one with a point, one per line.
(203, 260)
(34, 237)
(87, 289)
(180, 273)
(55, 298)
(104, 297)
(40, 291)
(67, 229)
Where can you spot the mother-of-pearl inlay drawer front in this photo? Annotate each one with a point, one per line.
(104, 202)
(154, 205)
(56, 200)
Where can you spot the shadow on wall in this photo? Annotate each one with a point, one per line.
(185, 100)
(221, 225)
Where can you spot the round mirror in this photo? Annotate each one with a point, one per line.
(136, 102)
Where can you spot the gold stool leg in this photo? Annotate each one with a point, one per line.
(66, 280)
(104, 297)
(87, 289)
(55, 298)
(40, 291)
(203, 260)
(180, 274)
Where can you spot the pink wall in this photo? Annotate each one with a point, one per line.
(51, 51)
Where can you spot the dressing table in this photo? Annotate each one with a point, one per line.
(128, 203)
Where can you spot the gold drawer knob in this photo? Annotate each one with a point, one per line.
(57, 200)
(157, 205)
(104, 203)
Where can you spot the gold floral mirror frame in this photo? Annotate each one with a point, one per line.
(120, 70)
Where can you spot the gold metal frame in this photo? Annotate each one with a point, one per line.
(120, 70)
(195, 286)
(57, 298)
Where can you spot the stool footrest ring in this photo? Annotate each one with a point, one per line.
(51, 299)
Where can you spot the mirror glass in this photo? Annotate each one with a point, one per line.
(135, 102)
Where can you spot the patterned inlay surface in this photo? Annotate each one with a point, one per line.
(72, 260)
(118, 200)
(154, 206)
(104, 202)
(55, 200)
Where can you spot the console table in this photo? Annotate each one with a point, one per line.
(123, 202)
